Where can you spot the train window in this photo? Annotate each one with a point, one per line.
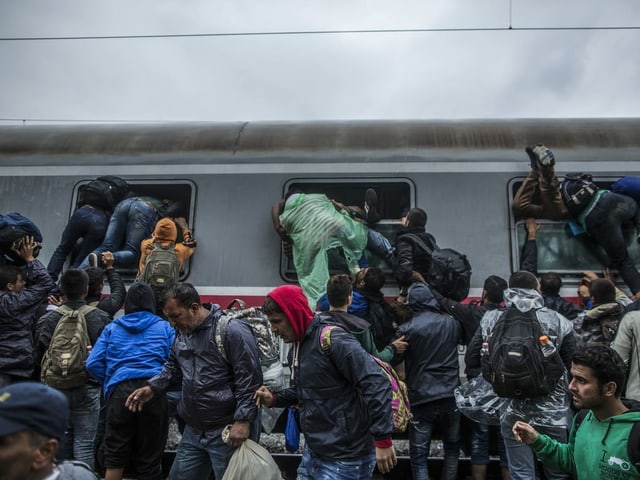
(182, 191)
(395, 197)
(559, 250)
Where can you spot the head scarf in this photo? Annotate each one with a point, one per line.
(294, 304)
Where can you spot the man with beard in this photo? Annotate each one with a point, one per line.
(598, 441)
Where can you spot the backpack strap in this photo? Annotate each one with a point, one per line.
(633, 445)
(220, 333)
(580, 416)
(325, 338)
(418, 242)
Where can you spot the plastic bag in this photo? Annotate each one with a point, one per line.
(251, 461)
(477, 401)
(270, 416)
(292, 432)
(313, 223)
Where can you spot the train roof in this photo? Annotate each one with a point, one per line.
(411, 140)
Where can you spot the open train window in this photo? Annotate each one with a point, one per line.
(182, 191)
(558, 249)
(395, 197)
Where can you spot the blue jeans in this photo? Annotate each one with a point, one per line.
(197, 454)
(480, 436)
(132, 221)
(445, 415)
(313, 468)
(380, 246)
(78, 442)
(87, 224)
(522, 460)
(604, 224)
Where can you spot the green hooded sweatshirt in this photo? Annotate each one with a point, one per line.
(596, 451)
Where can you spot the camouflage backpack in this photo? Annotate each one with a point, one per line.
(400, 406)
(268, 345)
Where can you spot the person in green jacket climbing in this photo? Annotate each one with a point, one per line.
(604, 442)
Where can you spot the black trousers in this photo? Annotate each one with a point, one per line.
(135, 438)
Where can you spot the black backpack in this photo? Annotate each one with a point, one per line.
(450, 271)
(577, 191)
(103, 192)
(515, 365)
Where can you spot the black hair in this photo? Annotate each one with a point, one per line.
(74, 284)
(605, 363)
(270, 306)
(523, 279)
(602, 290)
(96, 276)
(184, 294)
(339, 287)
(494, 286)
(8, 274)
(550, 283)
(416, 217)
(373, 279)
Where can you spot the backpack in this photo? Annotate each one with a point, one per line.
(515, 365)
(577, 191)
(450, 271)
(629, 186)
(633, 442)
(13, 228)
(63, 362)
(268, 345)
(103, 192)
(161, 268)
(382, 318)
(400, 406)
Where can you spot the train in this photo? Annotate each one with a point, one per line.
(464, 173)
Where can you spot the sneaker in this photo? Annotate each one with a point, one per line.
(545, 156)
(533, 158)
(370, 204)
(93, 260)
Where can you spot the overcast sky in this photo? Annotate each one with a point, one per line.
(422, 75)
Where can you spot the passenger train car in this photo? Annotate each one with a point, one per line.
(463, 173)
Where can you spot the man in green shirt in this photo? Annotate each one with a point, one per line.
(599, 445)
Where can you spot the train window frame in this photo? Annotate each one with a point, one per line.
(352, 191)
(183, 190)
(584, 253)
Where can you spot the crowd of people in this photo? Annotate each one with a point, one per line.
(111, 414)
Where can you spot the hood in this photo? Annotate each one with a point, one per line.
(420, 298)
(523, 299)
(604, 311)
(139, 298)
(294, 304)
(165, 231)
(353, 323)
(137, 322)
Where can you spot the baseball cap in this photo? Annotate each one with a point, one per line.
(33, 406)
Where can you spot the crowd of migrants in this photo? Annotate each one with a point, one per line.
(557, 382)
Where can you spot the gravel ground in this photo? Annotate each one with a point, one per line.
(274, 442)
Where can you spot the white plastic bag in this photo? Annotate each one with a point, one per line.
(251, 461)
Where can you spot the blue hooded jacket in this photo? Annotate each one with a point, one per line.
(133, 346)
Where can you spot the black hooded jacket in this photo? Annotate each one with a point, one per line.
(431, 361)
